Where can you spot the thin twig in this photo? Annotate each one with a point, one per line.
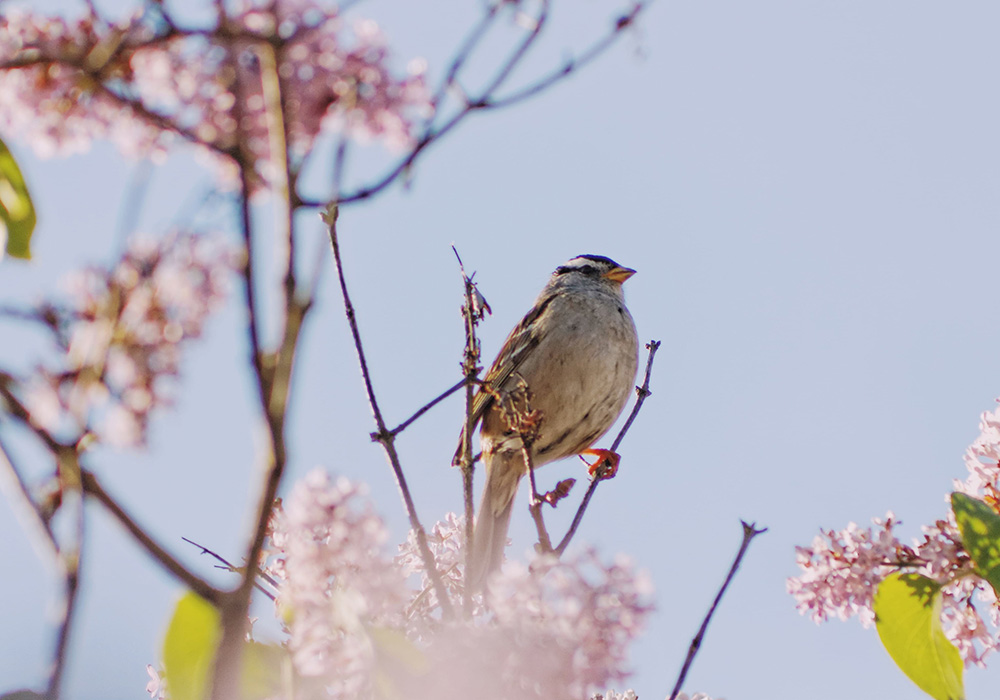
(487, 101)
(384, 438)
(17, 409)
(226, 566)
(472, 314)
(573, 65)
(535, 503)
(463, 54)
(426, 407)
(92, 487)
(749, 532)
(642, 393)
(519, 53)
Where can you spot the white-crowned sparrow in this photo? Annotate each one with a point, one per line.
(577, 351)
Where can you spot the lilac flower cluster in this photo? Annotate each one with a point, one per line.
(123, 332)
(335, 583)
(556, 629)
(64, 83)
(842, 569)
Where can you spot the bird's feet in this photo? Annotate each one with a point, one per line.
(606, 464)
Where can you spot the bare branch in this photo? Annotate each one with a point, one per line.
(487, 100)
(233, 569)
(749, 532)
(92, 487)
(573, 65)
(20, 411)
(383, 436)
(71, 580)
(426, 407)
(472, 313)
(535, 503)
(599, 472)
(465, 51)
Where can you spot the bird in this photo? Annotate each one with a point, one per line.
(576, 352)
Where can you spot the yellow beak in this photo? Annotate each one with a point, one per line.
(619, 274)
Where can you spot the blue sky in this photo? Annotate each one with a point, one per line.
(809, 194)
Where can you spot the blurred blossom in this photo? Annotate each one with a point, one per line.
(842, 570)
(125, 327)
(157, 687)
(554, 630)
(335, 582)
(446, 541)
(144, 87)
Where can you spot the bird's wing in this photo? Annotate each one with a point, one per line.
(518, 346)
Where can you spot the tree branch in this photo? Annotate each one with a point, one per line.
(383, 436)
(426, 407)
(92, 487)
(642, 393)
(535, 503)
(749, 532)
(487, 101)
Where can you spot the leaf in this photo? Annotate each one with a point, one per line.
(908, 618)
(262, 665)
(17, 213)
(980, 528)
(189, 648)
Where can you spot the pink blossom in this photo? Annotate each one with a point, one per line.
(964, 625)
(983, 460)
(124, 330)
(554, 630)
(157, 686)
(842, 570)
(336, 584)
(447, 543)
(65, 83)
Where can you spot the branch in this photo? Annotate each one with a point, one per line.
(749, 532)
(474, 310)
(535, 502)
(487, 101)
(20, 411)
(226, 566)
(573, 65)
(642, 393)
(92, 487)
(468, 46)
(426, 407)
(383, 436)
(273, 370)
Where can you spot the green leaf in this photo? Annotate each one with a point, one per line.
(17, 213)
(980, 527)
(189, 648)
(262, 665)
(908, 618)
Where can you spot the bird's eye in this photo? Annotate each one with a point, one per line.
(588, 270)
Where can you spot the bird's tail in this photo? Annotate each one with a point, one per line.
(490, 536)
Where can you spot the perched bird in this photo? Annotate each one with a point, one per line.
(577, 352)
